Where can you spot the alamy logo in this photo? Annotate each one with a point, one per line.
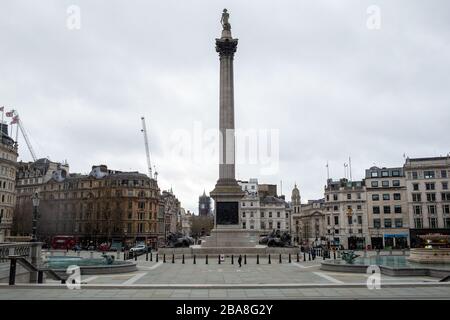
(74, 279)
(374, 280)
(374, 19)
(73, 17)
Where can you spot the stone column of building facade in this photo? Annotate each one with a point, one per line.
(8, 166)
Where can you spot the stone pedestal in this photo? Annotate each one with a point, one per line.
(231, 237)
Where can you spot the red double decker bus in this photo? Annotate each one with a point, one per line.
(63, 242)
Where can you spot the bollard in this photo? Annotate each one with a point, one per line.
(298, 257)
(157, 257)
(92, 255)
(146, 256)
(182, 261)
(304, 256)
(290, 261)
(12, 272)
(390, 252)
(40, 276)
(173, 258)
(245, 259)
(219, 259)
(365, 253)
(164, 258)
(279, 259)
(378, 252)
(269, 260)
(334, 255)
(257, 259)
(323, 257)
(206, 259)
(135, 256)
(232, 259)
(151, 256)
(309, 256)
(78, 253)
(403, 251)
(194, 259)
(124, 256)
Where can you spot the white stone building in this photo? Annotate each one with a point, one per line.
(428, 195)
(8, 167)
(261, 209)
(387, 210)
(346, 213)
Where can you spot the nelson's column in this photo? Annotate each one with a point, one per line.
(227, 192)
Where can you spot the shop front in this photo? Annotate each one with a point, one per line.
(356, 243)
(377, 242)
(396, 241)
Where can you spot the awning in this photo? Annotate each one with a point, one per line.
(398, 235)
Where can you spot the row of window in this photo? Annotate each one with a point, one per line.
(102, 183)
(97, 194)
(262, 225)
(336, 208)
(386, 197)
(7, 185)
(350, 231)
(350, 220)
(385, 173)
(430, 186)
(431, 209)
(105, 216)
(431, 197)
(349, 196)
(8, 172)
(398, 223)
(8, 156)
(387, 209)
(7, 199)
(427, 174)
(262, 214)
(129, 228)
(433, 223)
(385, 183)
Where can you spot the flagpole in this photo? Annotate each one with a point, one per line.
(17, 130)
(350, 167)
(328, 172)
(3, 113)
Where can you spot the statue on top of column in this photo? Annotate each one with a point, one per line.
(224, 20)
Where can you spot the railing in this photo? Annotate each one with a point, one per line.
(18, 248)
(28, 255)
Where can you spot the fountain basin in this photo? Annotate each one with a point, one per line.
(430, 255)
(389, 265)
(88, 266)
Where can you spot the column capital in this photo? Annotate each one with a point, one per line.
(226, 47)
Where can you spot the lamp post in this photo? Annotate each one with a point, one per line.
(1, 217)
(35, 199)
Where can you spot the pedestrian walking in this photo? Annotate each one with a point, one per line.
(240, 261)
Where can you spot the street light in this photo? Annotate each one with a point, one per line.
(35, 199)
(1, 217)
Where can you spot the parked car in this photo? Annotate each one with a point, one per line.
(140, 248)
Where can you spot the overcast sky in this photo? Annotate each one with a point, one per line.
(311, 69)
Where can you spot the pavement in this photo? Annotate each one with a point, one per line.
(295, 280)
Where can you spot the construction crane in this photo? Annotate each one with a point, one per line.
(147, 151)
(16, 119)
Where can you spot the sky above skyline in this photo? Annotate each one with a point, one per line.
(311, 70)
